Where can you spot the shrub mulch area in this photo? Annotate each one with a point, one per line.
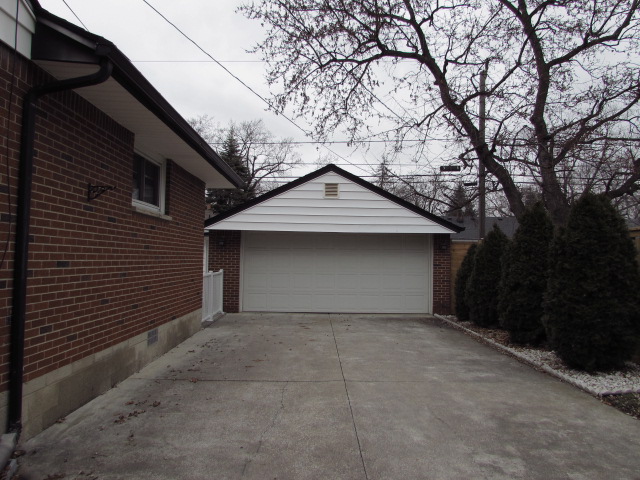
(628, 403)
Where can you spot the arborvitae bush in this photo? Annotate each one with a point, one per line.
(592, 302)
(462, 277)
(482, 289)
(524, 278)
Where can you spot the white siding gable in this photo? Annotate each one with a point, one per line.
(305, 208)
(26, 25)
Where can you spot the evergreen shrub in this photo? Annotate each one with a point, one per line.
(482, 288)
(524, 278)
(462, 277)
(592, 302)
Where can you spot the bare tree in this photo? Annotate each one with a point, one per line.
(562, 91)
(433, 191)
(265, 156)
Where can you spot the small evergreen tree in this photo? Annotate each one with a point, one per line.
(482, 289)
(461, 204)
(462, 277)
(592, 302)
(524, 278)
(225, 199)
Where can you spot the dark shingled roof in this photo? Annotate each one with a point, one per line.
(508, 225)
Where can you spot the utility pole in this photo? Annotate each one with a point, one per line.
(481, 169)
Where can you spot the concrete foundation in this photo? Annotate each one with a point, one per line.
(52, 396)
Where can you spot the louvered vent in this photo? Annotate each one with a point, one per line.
(331, 190)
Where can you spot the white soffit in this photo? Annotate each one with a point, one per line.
(152, 136)
(305, 208)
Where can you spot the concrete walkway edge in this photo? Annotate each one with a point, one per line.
(540, 366)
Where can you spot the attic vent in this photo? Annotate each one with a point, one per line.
(331, 190)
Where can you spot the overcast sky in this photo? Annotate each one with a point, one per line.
(184, 75)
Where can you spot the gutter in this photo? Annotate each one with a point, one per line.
(23, 220)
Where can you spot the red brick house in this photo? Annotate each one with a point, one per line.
(101, 196)
(332, 242)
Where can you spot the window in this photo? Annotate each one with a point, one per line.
(148, 184)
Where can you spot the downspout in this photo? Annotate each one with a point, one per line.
(23, 219)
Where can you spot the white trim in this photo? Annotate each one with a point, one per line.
(241, 281)
(205, 255)
(143, 210)
(430, 244)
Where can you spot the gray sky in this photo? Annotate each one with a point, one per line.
(185, 76)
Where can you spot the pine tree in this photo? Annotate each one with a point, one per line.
(225, 199)
(524, 278)
(462, 277)
(461, 205)
(592, 302)
(482, 289)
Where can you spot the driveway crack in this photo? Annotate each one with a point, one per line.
(346, 389)
(273, 422)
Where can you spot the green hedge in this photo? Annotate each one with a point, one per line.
(592, 300)
(482, 288)
(524, 278)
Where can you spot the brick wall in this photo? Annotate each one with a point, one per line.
(99, 272)
(224, 252)
(442, 274)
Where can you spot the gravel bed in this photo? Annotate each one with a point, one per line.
(626, 381)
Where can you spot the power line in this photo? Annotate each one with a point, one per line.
(74, 14)
(268, 103)
(197, 61)
(336, 142)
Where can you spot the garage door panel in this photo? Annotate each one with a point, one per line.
(297, 272)
(347, 281)
(325, 281)
(254, 281)
(259, 260)
(325, 303)
(302, 282)
(416, 282)
(278, 302)
(415, 303)
(371, 282)
(280, 281)
(255, 301)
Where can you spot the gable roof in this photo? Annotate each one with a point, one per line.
(300, 206)
(65, 50)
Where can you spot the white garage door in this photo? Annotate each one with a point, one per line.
(326, 272)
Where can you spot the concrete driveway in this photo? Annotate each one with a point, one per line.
(273, 396)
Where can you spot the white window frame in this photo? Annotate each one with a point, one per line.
(160, 208)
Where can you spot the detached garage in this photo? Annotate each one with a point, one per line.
(331, 242)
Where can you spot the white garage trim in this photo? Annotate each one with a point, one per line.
(334, 272)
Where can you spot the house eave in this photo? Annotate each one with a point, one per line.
(65, 51)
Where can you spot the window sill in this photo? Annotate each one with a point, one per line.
(151, 213)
